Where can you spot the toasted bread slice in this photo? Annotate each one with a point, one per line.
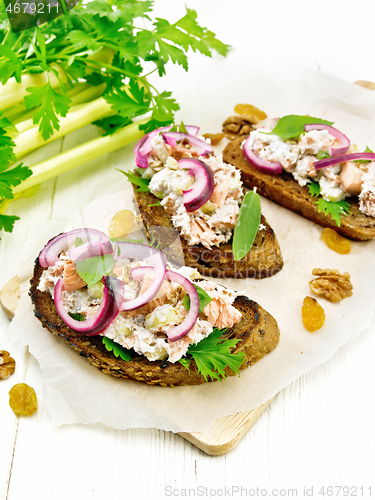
(257, 330)
(285, 191)
(263, 260)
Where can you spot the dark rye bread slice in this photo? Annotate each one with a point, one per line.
(257, 330)
(285, 191)
(263, 260)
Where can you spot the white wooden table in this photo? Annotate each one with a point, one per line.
(310, 436)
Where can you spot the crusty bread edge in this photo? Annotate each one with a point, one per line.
(264, 330)
(285, 191)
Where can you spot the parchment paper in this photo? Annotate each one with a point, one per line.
(78, 392)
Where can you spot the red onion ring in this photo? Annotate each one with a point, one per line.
(344, 141)
(126, 250)
(171, 138)
(95, 243)
(203, 187)
(177, 332)
(269, 167)
(108, 311)
(143, 147)
(335, 160)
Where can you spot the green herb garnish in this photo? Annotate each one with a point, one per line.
(367, 150)
(91, 62)
(117, 349)
(91, 270)
(213, 354)
(292, 126)
(336, 209)
(137, 180)
(204, 299)
(323, 154)
(78, 242)
(77, 316)
(247, 225)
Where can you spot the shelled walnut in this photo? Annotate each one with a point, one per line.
(331, 284)
(7, 365)
(237, 125)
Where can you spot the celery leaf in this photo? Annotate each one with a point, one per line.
(213, 354)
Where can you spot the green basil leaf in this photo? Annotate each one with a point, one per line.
(292, 126)
(204, 299)
(91, 270)
(247, 225)
(78, 242)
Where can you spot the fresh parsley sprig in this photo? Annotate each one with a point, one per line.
(336, 209)
(213, 354)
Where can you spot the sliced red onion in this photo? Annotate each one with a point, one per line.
(269, 167)
(177, 332)
(95, 243)
(126, 250)
(172, 138)
(144, 146)
(344, 141)
(108, 311)
(335, 160)
(203, 187)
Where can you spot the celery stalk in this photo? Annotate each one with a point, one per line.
(32, 139)
(81, 154)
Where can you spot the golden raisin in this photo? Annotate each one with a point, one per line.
(214, 138)
(7, 365)
(335, 241)
(250, 111)
(121, 224)
(22, 400)
(312, 314)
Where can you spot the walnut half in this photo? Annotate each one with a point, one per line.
(331, 284)
(7, 365)
(237, 125)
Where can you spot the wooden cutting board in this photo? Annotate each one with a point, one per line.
(226, 433)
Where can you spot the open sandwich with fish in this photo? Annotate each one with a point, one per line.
(133, 316)
(310, 167)
(193, 207)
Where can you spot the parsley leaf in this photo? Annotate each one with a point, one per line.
(204, 299)
(336, 209)
(117, 349)
(137, 180)
(50, 103)
(12, 177)
(314, 188)
(77, 316)
(7, 222)
(91, 270)
(213, 354)
(292, 126)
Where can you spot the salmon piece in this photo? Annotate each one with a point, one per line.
(220, 193)
(351, 178)
(201, 231)
(221, 314)
(72, 280)
(219, 311)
